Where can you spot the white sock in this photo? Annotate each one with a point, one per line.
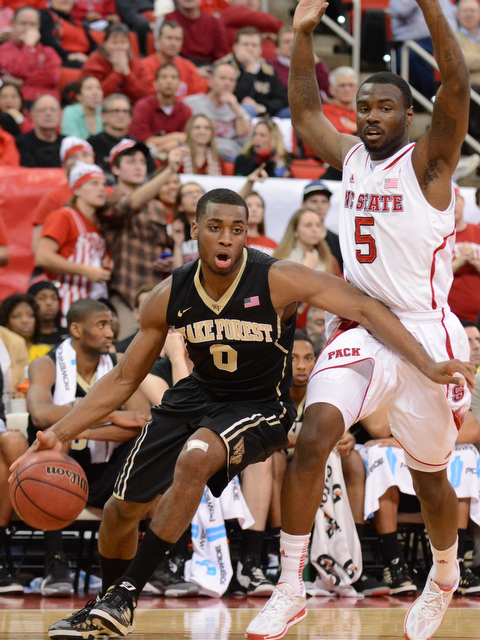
(445, 566)
(293, 552)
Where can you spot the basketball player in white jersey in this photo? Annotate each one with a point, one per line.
(397, 230)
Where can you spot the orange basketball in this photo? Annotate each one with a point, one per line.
(49, 490)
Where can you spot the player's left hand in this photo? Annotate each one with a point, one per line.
(452, 372)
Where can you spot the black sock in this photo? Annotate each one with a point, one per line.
(389, 547)
(274, 546)
(462, 535)
(112, 569)
(360, 528)
(252, 543)
(53, 542)
(148, 557)
(181, 546)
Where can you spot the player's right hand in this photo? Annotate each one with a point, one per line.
(452, 372)
(308, 14)
(45, 440)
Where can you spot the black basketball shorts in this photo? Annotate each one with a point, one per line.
(251, 432)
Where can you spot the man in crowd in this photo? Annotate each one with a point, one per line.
(59, 379)
(231, 121)
(316, 197)
(168, 46)
(160, 120)
(41, 146)
(27, 63)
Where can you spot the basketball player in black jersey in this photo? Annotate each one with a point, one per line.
(236, 309)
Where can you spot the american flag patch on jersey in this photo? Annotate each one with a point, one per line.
(254, 301)
(390, 183)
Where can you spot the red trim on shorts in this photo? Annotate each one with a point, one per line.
(343, 325)
(340, 366)
(427, 464)
(432, 270)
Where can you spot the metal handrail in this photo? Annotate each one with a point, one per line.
(425, 102)
(352, 39)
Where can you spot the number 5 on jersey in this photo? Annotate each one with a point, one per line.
(365, 239)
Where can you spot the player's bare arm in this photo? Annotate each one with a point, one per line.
(114, 389)
(290, 281)
(303, 94)
(436, 154)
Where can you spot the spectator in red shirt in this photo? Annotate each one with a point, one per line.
(93, 10)
(245, 13)
(114, 65)
(26, 62)
(72, 150)
(281, 63)
(70, 39)
(160, 120)
(205, 37)
(168, 46)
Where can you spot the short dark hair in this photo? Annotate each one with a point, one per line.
(467, 323)
(387, 77)
(220, 196)
(115, 28)
(247, 31)
(82, 309)
(165, 66)
(169, 23)
(301, 335)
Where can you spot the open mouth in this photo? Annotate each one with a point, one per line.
(372, 134)
(223, 259)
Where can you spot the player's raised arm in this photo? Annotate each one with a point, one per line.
(116, 387)
(290, 281)
(437, 153)
(303, 94)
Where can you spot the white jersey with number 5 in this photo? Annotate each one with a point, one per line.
(396, 246)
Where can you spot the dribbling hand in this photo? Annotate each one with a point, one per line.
(452, 372)
(45, 440)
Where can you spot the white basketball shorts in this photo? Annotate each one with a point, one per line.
(357, 374)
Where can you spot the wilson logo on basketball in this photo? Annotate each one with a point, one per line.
(74, 477)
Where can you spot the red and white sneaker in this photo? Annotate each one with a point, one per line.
(282, 611)
(427, 612)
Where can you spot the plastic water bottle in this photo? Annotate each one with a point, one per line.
(279, 169)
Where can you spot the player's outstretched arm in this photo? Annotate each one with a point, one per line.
(437, 153)
(290, 281)
(114, 389)
(303, 94)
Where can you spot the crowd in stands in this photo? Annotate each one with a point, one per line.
(125, 101)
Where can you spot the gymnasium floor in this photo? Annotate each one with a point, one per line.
(28, 618)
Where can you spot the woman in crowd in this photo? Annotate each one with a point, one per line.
(70, 38)
(304, 242)
(15, 118)
(83, 119)
(202, 157)
(114, 65)
(256, 237)
(167, 195)
(264, 147)
(47, 299)
(19, 313)
(71, 249)
(185, 249)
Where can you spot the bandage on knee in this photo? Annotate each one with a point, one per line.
(197, 444)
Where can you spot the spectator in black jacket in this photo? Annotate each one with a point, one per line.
(41, 147)
(259, 89)
(139, 17)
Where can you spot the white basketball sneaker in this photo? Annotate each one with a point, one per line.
(282, 611)
(427, 612)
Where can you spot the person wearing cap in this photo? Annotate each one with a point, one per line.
(49, 316)
(134, 226)
(72, 150)
(316, 196)
(464, 297)
(71, 248)
(160, 120)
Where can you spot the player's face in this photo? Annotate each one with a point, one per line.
(221, 233)
(97, 333)
(382, 119)
(473, 335)
(303, 360)
(48, 304)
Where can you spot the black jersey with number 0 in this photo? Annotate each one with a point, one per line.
(239, 346)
